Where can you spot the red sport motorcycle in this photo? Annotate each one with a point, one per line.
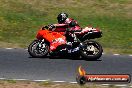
(73, 43)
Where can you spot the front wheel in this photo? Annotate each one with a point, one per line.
(38, 48)
(92, 50)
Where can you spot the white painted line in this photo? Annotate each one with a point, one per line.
(20, 79)
(116, 54)
(26, 49)
(40, 80)
(105, 84)
(2, 78)
(9, 48)
(73, 82)
(59, 81)
(130, 55)
(121, 85)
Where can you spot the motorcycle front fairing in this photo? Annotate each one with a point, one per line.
(54, 38)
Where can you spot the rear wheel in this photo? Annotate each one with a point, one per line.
(38, 48)
(92, 50)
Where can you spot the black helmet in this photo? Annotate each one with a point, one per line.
(62, 17)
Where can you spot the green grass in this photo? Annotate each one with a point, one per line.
(11, 81)
(20, 20)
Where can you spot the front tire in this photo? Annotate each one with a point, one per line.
(38, 49)
(92, 50)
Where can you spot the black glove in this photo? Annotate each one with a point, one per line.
(45, 27)
(51, 26)
(72, 24)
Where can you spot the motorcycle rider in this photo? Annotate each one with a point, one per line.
(66, 24)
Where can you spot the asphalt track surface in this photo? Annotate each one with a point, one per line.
(17, 64)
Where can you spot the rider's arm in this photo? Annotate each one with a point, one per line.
(61, 25)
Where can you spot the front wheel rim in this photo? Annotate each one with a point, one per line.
(39, 50)
(91, 49)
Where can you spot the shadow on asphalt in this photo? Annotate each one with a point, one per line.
(75, 59)
(68, 58)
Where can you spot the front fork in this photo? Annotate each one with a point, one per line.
(41, 45)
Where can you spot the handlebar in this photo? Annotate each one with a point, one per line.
(49, 27)
(69, 30)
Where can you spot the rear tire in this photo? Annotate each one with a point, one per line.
(91, 54)
(36, 51)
